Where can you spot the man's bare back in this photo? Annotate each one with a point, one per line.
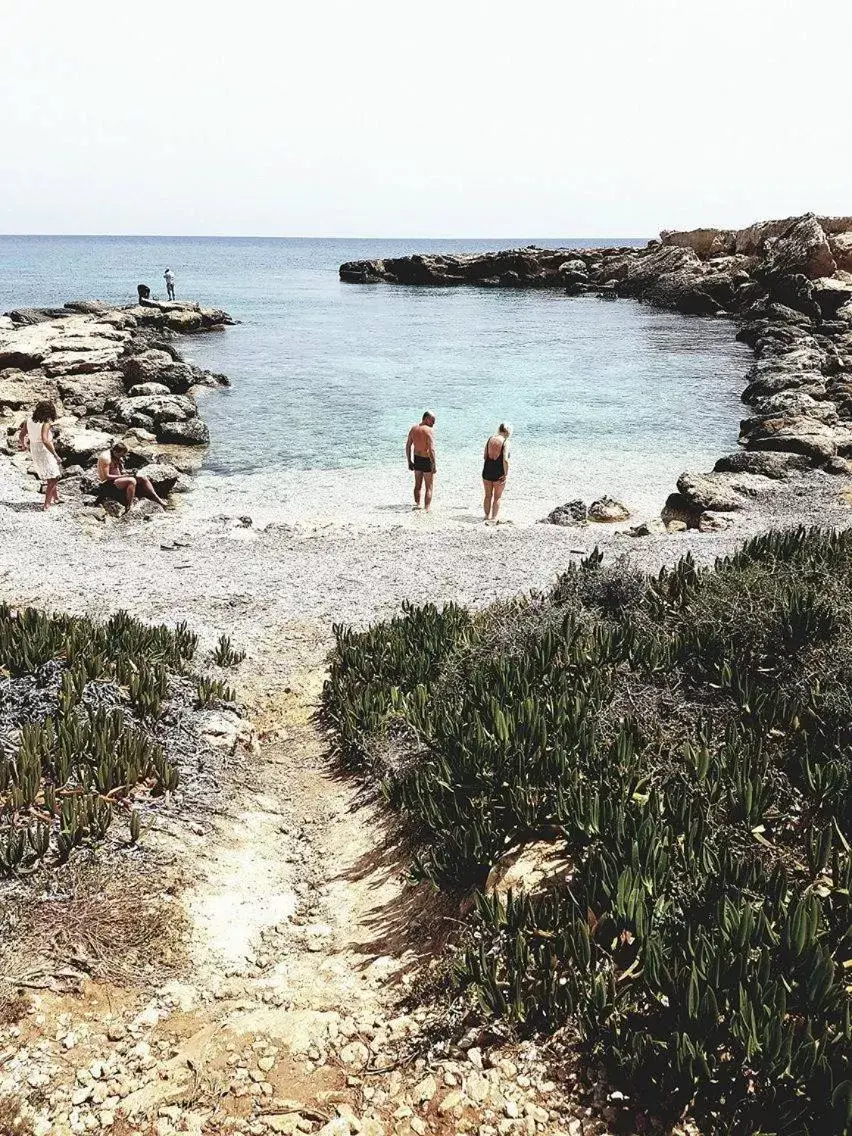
(420, 455)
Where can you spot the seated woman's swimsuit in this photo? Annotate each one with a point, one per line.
(494, 469)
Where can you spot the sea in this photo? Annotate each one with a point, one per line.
(326, 378)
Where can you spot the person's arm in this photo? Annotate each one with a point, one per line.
(408, 447)
(432, 455)
(506, 456)
(47, 438)
(23, 437)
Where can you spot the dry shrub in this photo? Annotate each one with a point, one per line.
(14, 1006)
(108, 921)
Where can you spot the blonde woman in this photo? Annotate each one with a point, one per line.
(495, 470)
(36, 435)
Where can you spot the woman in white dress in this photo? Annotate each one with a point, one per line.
(36, 435)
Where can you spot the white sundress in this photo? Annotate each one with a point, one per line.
(45, 463)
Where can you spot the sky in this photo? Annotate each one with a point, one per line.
(469, 118)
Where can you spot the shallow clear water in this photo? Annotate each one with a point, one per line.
(603, 397)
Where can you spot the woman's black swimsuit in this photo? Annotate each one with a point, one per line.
(494, 469)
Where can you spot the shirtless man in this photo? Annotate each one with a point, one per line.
(420, 455)
(118, 484)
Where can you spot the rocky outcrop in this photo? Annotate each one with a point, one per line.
(113, 373)
(788, 284)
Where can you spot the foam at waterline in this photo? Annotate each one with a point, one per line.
(381, 496)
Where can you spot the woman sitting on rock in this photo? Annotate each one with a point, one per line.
(119, 485)
(495, 471)
(36, 435)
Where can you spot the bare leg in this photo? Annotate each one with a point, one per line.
(418, 487)
(428, 480)
(488, 486)
(144, 488)
(50, 492)
(128, 485)
(499, 486)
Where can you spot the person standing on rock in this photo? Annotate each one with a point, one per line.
(495, 470)
(169, 278)
(36, 435)
(420, 455)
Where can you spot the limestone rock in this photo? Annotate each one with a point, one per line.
(795, 434)
(163, 477)
(710, 491)
(652, 527)
(192, 432)
(607, 510)
(762, 463)
(530, 868)
(158, 408)
(705, 243)
(141, 390)
(841, 250)
(80, 445)
(571, 513)
(21, 390)
(89, 393)
(712, 522)
(803, 248)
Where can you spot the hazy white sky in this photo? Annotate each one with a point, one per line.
(434, 118)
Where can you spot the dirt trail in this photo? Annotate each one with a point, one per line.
(302, 935)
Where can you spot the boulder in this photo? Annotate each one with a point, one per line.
(20, 390)
(841, 250)
(89, 393)
(571, 513)
(838, 465)
(184, 321)
(163, 477)
(533, 868)
(20, 358)
(79, 445)
(81, 361)
(712, 522)
(830, 294)
(795, 402)
(157, 408)
(89, 307)
(795, 434)
(681, 510)
(141, 390)
(802, 248)
(145, 367)
(752, 240)
(709, 491)
(653, 527)
(215, 317)
(705, 243)
(762, 463)
(607, 510)
(192, 432)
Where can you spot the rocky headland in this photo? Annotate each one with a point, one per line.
(787, 284)
(114, 373)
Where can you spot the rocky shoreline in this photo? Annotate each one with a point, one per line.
(114, 373)
(788, 286)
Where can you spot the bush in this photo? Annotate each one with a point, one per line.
(81, 741)
(690, 743)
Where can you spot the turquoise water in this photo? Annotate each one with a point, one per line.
(329, 376)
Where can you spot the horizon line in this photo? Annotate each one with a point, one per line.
(300, 237)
